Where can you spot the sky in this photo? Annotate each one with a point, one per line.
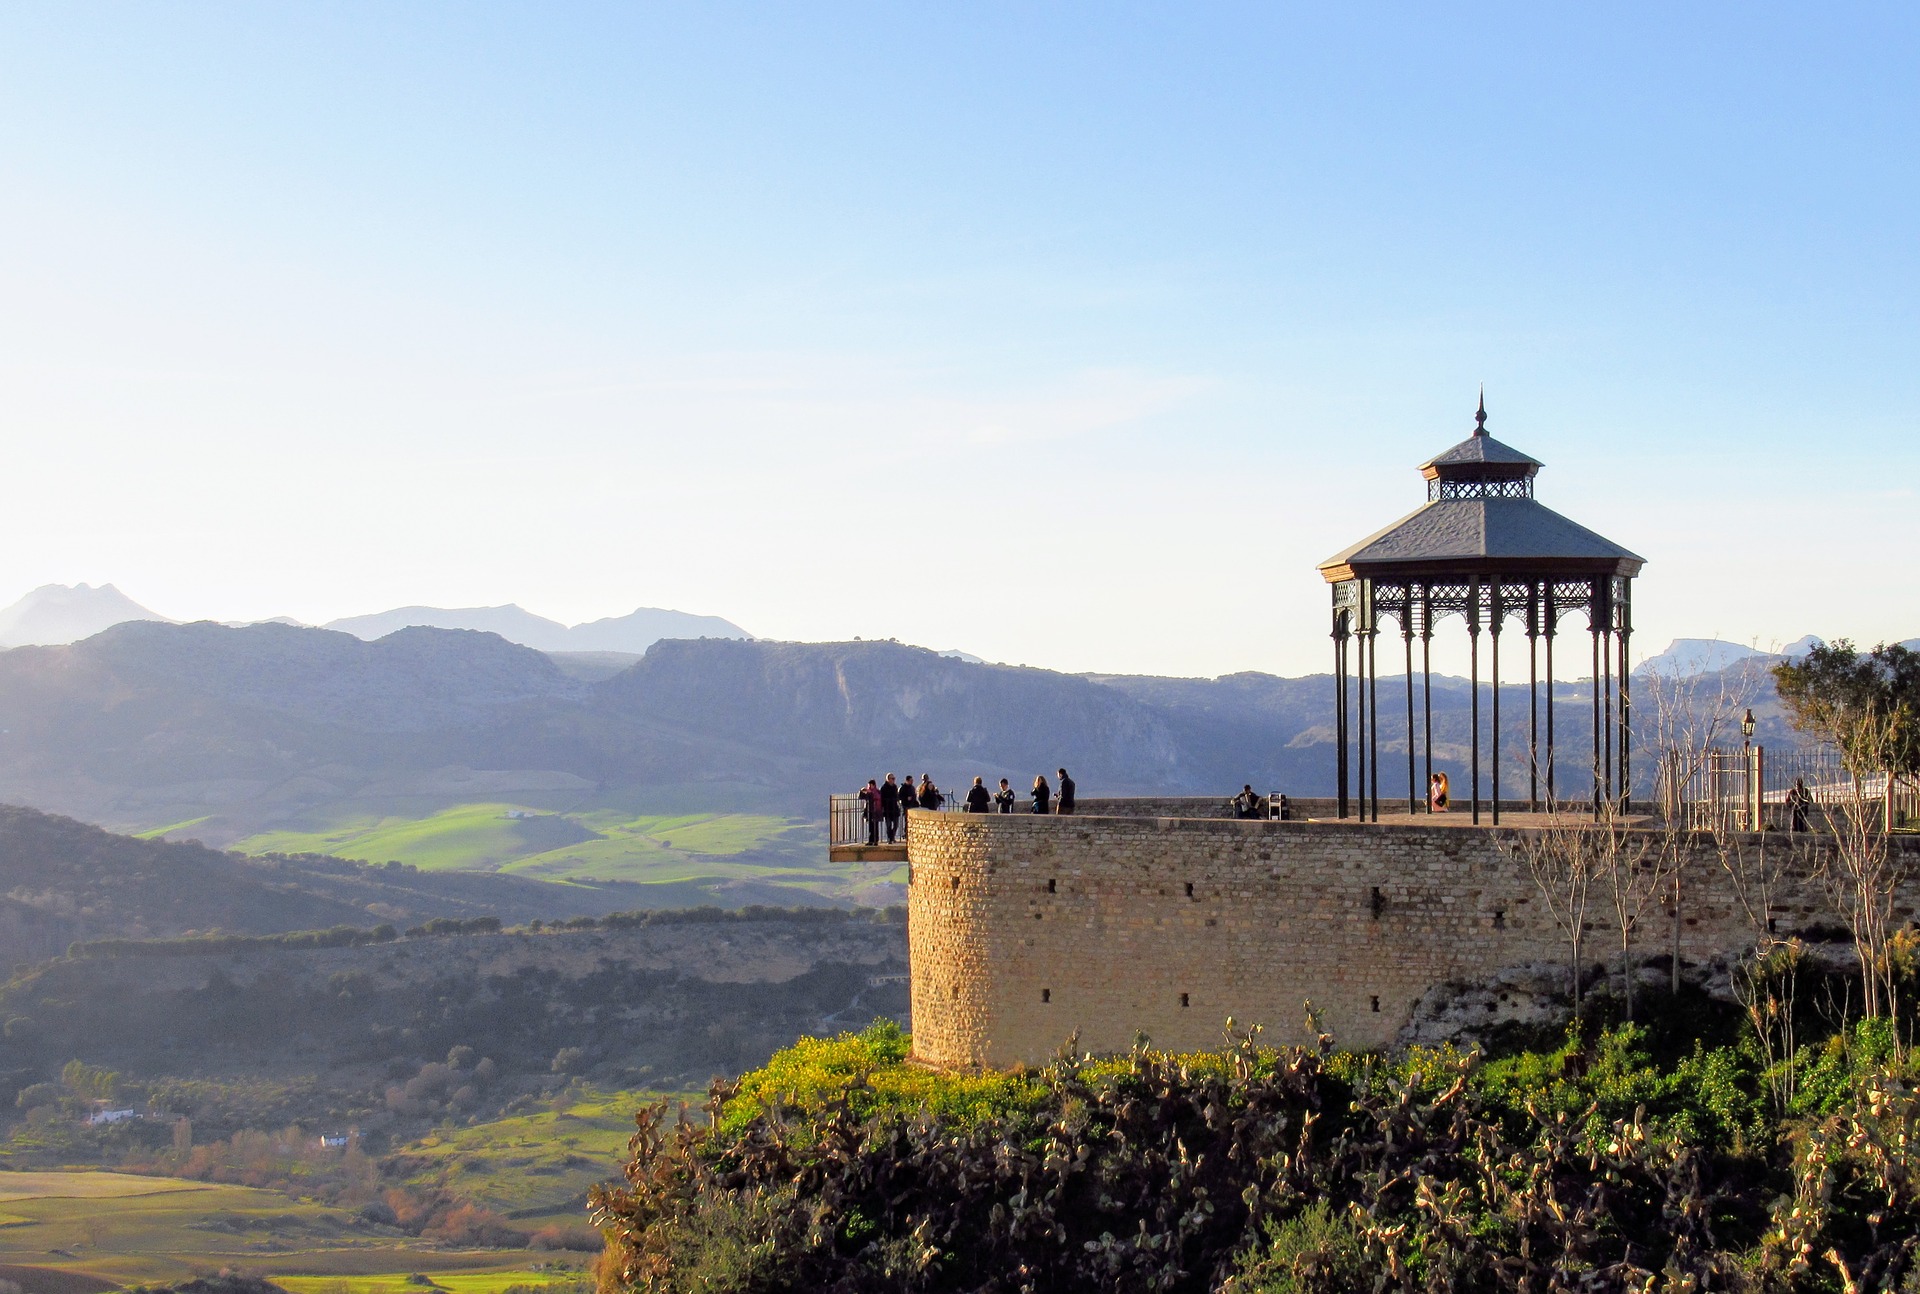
(1070, 336)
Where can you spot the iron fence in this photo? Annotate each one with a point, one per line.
(847, 817)
(1750, 788)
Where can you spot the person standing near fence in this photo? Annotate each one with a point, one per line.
(890, 805)
(1798, 800)
(1004, 797)
(979, 799)
(870, 797)
(1041, 793)
(1064, 802)
(930, 797)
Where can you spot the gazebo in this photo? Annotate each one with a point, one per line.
(1484, 549)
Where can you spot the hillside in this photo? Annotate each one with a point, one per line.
(281, 1034)
(62, 881)
(456, 748)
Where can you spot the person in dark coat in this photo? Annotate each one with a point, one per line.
(1041, 794)
(890, 805)
(870, 797)
(1798, 801)
(1064, 802)
(930, 797)
(1004, 797)
(1246, 804)
(979, 799)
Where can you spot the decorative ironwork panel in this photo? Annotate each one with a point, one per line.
(1438, 490)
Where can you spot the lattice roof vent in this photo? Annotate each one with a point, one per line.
(1480, 467)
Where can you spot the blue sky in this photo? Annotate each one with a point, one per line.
(1072, 336)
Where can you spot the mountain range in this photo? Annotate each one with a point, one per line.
(634, 632)
(235, 731)
(56, 614)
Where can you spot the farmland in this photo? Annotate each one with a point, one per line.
(690, 858)
(124, 1229)
(128, 1229)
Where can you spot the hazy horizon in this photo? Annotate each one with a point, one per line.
(1062, 337)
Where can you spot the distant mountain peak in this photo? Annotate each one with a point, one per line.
(54, 614)
(632, 633)
(1686, 657)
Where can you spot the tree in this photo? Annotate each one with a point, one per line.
(1562, 863)
(1689, 716)
(1866, 706)
(1868, 709)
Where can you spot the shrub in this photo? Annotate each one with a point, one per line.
(1593, 1166)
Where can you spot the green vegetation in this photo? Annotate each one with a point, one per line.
(605, 843)
(135, 1229)
(1866, 704)
(554, 1279)
(158, 833)
(685, 856)
(534, 1168)
(1626, 1158)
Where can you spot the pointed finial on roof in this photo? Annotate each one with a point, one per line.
(1480, 418)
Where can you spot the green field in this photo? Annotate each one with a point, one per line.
(144, 1229)
(493, 1282)
(534, 1168)
(691, 858)
(500, 835)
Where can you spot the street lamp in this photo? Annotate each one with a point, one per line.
(1746, 728)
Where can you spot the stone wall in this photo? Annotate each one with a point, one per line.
(1024, 930)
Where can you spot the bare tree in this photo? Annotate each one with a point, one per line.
(1687, 719)
(1632, 869)
(1766, 978)
(1562, 863)
(1862, 872)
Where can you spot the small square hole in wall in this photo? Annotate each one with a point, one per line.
(1500, 919)
(1189, 889)
(1053, 885)
(956, 990)
(1183, 999)
(1376, 1003)
(956, 882)
(1046, 995)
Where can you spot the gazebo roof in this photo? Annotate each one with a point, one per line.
(1481, 519)
(1481, 448)
(1482, 536)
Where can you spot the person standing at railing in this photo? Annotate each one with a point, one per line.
(1064, 802)
(890, 805)
(1041, 793)
(1798, 800)
(870, 797)
(930, 797)
(979, 799)
(1004, 797)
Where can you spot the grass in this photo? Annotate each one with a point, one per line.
(693, 858)
(490, 1282)
(600, 843)
(86, 1186)
(188, 1227)
(534, 1168)
(155, 833)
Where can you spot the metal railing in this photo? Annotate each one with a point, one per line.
(1749, 787)
(847, 817)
